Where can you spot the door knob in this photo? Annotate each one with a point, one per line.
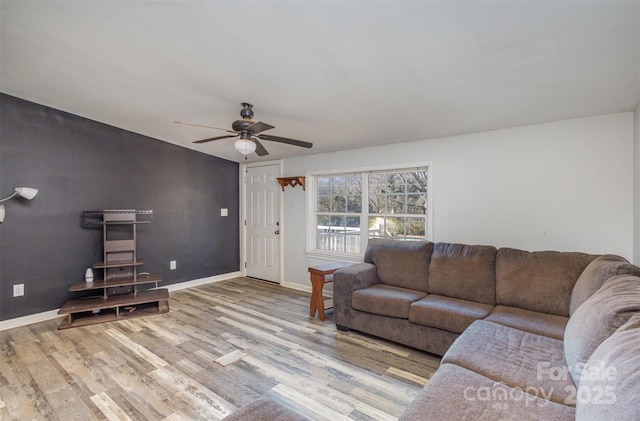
(277, 232)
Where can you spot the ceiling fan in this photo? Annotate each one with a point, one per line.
(249, 133)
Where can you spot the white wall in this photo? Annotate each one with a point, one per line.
(565, 185)
(636, 207)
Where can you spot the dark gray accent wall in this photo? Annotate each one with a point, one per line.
(79, 164)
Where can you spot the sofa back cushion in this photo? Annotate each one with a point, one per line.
(538, 281)
(403, 264)
(611, 378)
(598, 317)
(463, 271)
(595, 274)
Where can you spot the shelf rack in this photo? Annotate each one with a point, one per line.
(120, 296)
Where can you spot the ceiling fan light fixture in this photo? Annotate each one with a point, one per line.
(244, 146)
(249, 133)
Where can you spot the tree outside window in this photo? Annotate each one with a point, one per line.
(351, 208)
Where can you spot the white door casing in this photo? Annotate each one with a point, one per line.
(262, 222)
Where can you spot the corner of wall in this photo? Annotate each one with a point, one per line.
(636, 186)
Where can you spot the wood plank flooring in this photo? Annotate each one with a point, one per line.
(221, 346)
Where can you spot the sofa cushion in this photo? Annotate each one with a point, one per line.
(447, 313)
(456, 393)
(595, 274)
(386, 300)
(463, 271)
(610, 382)
(539, 281)
(403, 264)
(598, 317)
(530, 321)
(516, 358)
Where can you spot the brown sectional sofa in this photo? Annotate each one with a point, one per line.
(524, 335)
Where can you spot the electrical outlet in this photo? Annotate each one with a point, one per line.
(172, 265)
(18, 290)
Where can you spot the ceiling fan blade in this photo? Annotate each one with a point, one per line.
(286, 140)
(215, 138)
(258, 127)
(207, 127)
(260, 150)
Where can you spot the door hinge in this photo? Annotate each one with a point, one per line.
(245, 265)
(245, 222)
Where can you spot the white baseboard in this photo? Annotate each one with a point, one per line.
(53, 314)
(204, 281)
(27, 320)
(297, 287)
(327, 291)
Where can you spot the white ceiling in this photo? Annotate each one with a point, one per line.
(340, 74)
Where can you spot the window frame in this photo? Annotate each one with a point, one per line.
(312, 194)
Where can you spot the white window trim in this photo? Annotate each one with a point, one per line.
(312, 190)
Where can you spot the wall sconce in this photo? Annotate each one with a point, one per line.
(26, 192)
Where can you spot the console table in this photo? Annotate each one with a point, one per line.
(320, 275)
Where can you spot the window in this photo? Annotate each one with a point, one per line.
(346, 209)
(339, 213)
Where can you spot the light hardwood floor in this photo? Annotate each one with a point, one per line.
(221, 346)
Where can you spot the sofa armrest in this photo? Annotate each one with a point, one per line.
(355, 277)
(345, 282)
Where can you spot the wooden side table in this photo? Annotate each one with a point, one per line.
(320, 275)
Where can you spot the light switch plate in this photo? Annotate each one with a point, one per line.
(224, 212)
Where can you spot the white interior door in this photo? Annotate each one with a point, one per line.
(262, 229)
